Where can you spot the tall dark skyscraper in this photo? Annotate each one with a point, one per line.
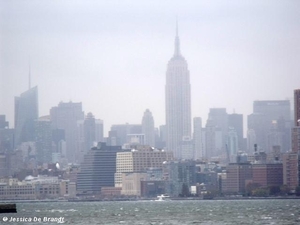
(178, 101)
(26, 112)
(98, 169)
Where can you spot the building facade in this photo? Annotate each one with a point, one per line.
(139, 159)
(178, 101)
(26, 112)
(97, 169)
(148, 128)
(65, 117)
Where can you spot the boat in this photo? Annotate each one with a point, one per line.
(161, 198)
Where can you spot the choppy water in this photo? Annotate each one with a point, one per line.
(202, 212)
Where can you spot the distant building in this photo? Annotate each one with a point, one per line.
(65, 116)
(97, 169)
(265, 113)
(131, 183)
(251, 140)
(197, 138)
(178, 101)
(43, 139)
(297, 107)
(118, 133)
(90, 132)
(290, 169)
(26, 112)
(139, 159)
(267, 174)
(148, 128)
(237, 175)
(6, 136)
(236, 121)
(136, 139)
(232, 144)
(177, 174)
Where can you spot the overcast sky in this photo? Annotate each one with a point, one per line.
(112, 55)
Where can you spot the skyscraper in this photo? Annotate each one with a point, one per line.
(43, 139)
(265, 115)
(197, 138)
(236, 121)
(297, 107)
(65, 116)
(148, 128)
(26, 112)
(178, 101)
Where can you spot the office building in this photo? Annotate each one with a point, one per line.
(197, 138)
(118, 133)
(265, 114)
(267, 174)
(297, 107)
(148, 128)
(6, 136)
(90, 132)
(43, 140)
(139, 159)
(65, 116)
(97, 169)
(236, 121)
(178, 101)
(237, 176)
(26, 112)
(290, 169)
(178, 174)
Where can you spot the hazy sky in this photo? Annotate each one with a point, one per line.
(112, 55)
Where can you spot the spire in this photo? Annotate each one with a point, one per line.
(29, 77)
(177, 43)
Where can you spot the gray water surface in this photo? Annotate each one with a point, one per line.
(202, 212)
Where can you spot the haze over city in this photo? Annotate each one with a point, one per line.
(112, 56)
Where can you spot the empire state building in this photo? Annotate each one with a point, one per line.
(178, 104)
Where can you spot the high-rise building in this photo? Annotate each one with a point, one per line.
(65, 116)
(218, 121)
(236, 121)
(297, 107)
(178, 174)
(6, 136)
(118, 133)
(148, 128)
(139, 159)
(265, 114)
(43, 139)
(273, 109)
(178, 101)
(26, 112)
(290, 169)
(90, 131)
(232, 143)
(197, 138)
(97, 169)
(251, 140)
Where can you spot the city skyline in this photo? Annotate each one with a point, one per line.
(122, 54)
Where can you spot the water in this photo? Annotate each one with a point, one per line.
(204, 212)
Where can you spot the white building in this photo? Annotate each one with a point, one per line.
(178, 101)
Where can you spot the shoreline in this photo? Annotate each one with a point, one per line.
(148, 199)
